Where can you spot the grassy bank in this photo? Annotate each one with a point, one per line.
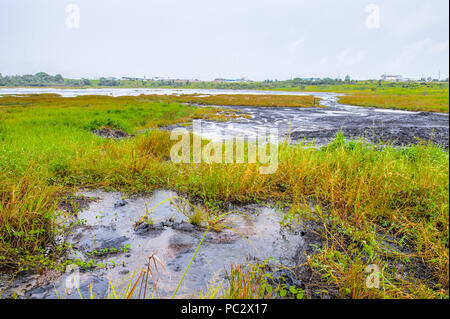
(376, 206)
(244, 100)
(433, 102)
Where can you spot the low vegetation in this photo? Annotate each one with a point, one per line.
(428, 102)
(244, 100)
(383, 206)
(38, 79)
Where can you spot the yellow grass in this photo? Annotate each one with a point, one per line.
(427, 103)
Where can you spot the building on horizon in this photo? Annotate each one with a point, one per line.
(391, 78)
(221, 80)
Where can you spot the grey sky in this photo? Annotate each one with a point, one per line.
(204, 39)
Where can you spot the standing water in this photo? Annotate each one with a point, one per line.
(109, 224)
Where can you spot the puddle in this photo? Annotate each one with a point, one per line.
(110, 222)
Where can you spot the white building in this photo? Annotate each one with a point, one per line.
(392, 78)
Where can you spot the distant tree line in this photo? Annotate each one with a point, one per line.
(108, 82)
(81, 82)
(40, 79)
(44, 79)
(267, 84)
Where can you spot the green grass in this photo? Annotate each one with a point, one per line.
(437, 102)
(362, 192)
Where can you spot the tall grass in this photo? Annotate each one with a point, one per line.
(246, 282)
(27, 221)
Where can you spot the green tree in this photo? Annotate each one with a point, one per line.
(58, 78)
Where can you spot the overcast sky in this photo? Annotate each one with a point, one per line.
(205, 39)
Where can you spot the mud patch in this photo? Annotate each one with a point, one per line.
(107, 132)
(72, 204)
(256, 235)
(381, 135)
(320, 125)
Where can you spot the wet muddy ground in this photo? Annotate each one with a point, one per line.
(107, 234)
(320, 125)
